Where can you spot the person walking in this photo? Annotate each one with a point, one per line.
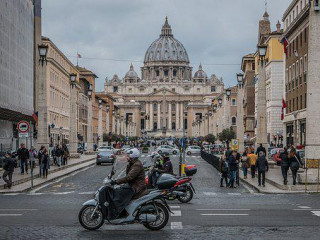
(66, 154)
(223, 167)
(32, 156)
(45, 163)
(23, 156)
(40, 153)
(285, 166)
(295, 163)
(245, 164)
(59, 154)
(261, 148)
(233, 168)
(262, 167)
(8, 170)
(253, 159)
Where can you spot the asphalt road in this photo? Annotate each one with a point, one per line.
(215, 213)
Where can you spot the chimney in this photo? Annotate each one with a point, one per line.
(278, 26)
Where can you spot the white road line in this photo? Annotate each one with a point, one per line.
(35, 194)
(209, 193)
(176, 225)
(235, 194)
(304, 207)
(316, 213)
(62, 193)
(307, 209)
(224, 214)
(21, 209)
(174, 206)
(86, 193)
(11, 194)
(176, 213)
(240, 209)
(10, 215)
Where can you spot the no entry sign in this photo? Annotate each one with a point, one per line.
(23, 126)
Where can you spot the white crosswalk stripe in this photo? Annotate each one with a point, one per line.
(316, 213)
(176, 225)
(176, 213)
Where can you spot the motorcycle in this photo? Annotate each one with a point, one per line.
(113, 204)
(179, 188)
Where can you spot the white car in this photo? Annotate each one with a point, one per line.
(193, 150)
(168, 149)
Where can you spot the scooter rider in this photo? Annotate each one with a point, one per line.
(134, 174)
(167, 164)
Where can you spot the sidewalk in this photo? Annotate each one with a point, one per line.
(22, 183)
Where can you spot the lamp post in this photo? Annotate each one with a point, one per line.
(228, 94)
(240, 125)
(43, 50)
(261, 100)
(89, 130)
(73, 115)
(100, 130)
(107, 119)
(220, 102)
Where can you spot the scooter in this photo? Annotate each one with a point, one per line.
(112, 203)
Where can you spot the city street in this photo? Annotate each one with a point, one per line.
(215, 213)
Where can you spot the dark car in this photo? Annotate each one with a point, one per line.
(105, 157)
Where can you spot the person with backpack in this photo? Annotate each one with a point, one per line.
(253, 159)
(245, 164)
(262, 167)
(295, 163)
(285, 164)
(45, 163)
(224, 169)
(8, 170)
(233, 166)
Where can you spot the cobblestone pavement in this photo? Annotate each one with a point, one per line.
(214, 213)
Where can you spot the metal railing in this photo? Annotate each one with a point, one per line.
(211, 159)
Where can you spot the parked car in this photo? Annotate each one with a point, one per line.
(193, 150)
(168, 149)
(276, 155)
(108, 148)
(106, 156)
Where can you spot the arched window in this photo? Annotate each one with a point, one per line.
(234, 120)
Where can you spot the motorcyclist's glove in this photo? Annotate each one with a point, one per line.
(113, 182)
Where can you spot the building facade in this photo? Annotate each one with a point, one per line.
(16, 70)
(161, 101)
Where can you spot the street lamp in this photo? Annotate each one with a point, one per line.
(107, 108)
(220, 102)
(73, 77)
(90, 91)
(43, 50)
(215, 108)
(113, 112)
(100, 103)
(262, 50)
(240, 79)
(228, 93)
(210, 113)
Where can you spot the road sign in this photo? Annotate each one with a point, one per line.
(23, 135)
(23, 126)
(235, 144)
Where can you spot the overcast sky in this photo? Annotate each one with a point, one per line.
(212, 31)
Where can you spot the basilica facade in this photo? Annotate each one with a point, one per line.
(167, 98)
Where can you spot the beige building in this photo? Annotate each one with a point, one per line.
(168, 97)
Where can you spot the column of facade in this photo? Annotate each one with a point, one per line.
(73, 115)
(107, 122)
(147, 126)
(159, 115)
(118, 126)
(170, 116)
(89, 130)
(177, 117)
(100, 131)
(113, 124)
(181, 116)
(240, 125)
(151, 116)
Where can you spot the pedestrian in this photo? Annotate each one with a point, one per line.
(238, 158)
(59, 154)
(253, 159)
(261, 149)
(295, 163)
(66, 154)
(32, 156)
(23, 156)
(40, 153)
(245, 164)
(285, 165)
(45, 163)
(224, 169)
(233, 168)
(8, 170)
(53, 154)
(262, 167)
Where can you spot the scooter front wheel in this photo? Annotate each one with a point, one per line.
(89, 221)
(187, 197)
(162, 219)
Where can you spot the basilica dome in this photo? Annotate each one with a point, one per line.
(200, 73)
(131, 73)
(166, 48)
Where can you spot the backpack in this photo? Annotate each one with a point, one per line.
(224, 167)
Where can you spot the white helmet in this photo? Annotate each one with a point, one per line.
(133, 153)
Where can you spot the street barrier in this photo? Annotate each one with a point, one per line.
(211, 159)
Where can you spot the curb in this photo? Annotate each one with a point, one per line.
(50, 180)
(35, 176)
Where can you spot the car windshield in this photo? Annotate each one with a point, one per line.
(126, 146)
(105, 153)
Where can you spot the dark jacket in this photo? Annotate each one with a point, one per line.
(166, 168)
(262, 164)
(223, 166)
(284, 160)
(59, 152)
(135, 177)
(45, 161)
(9, 164)
(23, 154)
(261, 149)
(295, 162)
(233, 166)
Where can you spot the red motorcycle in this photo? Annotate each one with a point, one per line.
(179, 188)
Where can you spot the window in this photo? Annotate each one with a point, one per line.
(198, 90)
(166, 73)
(155, 107)
(130, 90)
(234, 120)
(154, 89)
(234, 102)
(173, 89)
(157, 73)
(174, 72)
(305, 35)
(115, 89)
(213, 88)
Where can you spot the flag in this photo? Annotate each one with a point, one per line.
(78, 55)
(285, 43)
(35, 117)
(284, 105)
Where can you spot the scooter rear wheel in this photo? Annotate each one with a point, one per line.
(162, 219)
(85, 218)
(187, 197)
